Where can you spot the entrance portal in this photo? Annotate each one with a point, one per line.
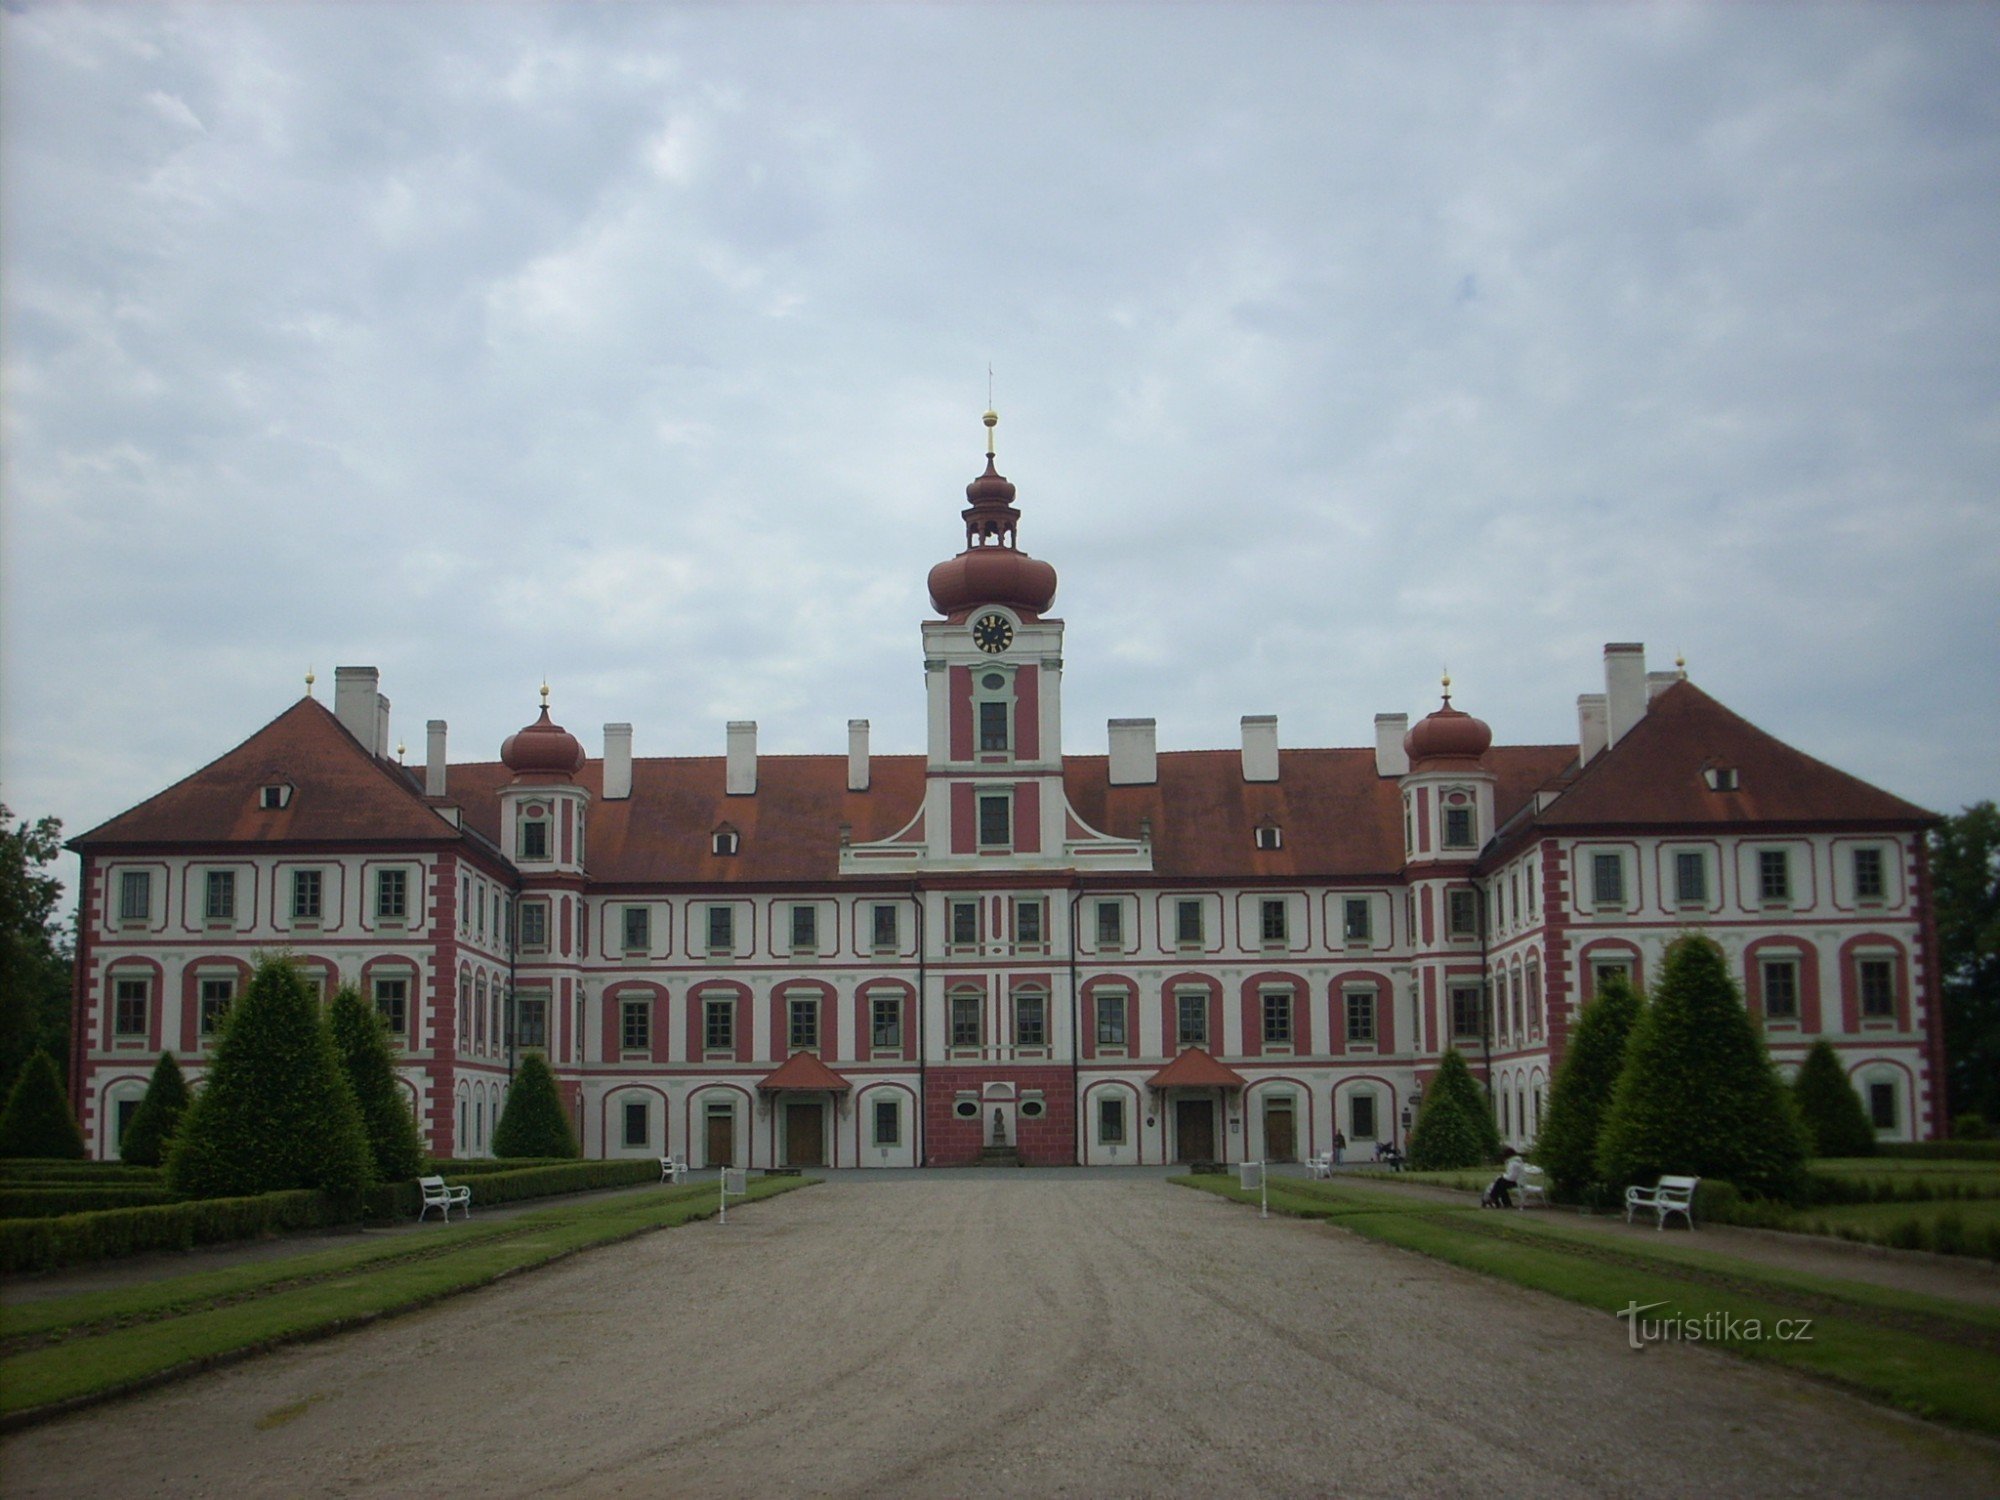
(804, 1145)
(719, 1145)
(1194, 1129)
(1280, 1135)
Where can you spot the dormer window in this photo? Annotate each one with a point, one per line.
(278, 794)
(1720, 778)
(532, 838)
(725, 840)
(1269, 836)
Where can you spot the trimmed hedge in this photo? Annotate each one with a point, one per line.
(401, 1200)
(485, 1165)
(44, 1171)
(1940, 1150)
(74, 1239)
(42, 1202)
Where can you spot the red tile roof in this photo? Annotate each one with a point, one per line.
(803, 1073)
(1195, 1069)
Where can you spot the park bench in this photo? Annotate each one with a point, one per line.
(437, 1195)
(1321, 1165)
(1670, 1195)
(673, 1169)
(1532, 1186)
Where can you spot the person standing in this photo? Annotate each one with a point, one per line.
(1339, 1146)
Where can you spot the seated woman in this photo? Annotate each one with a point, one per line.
(1501, 1194)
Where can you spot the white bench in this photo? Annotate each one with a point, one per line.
(673, 1169)
(437, 1195)
(1532, 1186)
(1321, 1165)
(1670, 1195)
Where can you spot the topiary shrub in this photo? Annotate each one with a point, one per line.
(1835, 1122)
(37, 1121)
(1455, 1126)
(362, 1042)
(1581, 1093)
(275, 1111)
(534, 1122)
(1971, 1126)
(1698, 1094)
(158, 1116)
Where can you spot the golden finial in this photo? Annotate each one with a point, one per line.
(992, 420)
(310, 680)
(1445, 681)
(401, 751)
(1681, 664)
(545, 692)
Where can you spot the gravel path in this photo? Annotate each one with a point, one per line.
(994, 1336)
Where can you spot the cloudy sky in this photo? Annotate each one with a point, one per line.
(642, 348)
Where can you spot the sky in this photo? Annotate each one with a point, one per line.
(641, 349)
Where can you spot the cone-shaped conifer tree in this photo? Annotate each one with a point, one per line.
(158, 1116)
(362, 1042)
(1835, 1122)
(1455, 1126)
(1581, 1094)
(37, 1121)
(534, 1123)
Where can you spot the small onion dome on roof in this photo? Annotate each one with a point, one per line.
(543, 750)
(1448, 736)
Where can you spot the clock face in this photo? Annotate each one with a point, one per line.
(992, 634)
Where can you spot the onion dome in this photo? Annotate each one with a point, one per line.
(1447, 737)
(544, 750)
(991, 569)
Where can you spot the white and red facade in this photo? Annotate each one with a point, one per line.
(999, 949)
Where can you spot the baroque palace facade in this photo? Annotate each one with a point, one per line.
(996, 950)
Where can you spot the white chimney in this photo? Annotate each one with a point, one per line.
(357, 704)
(382, 726)
(1624, 688)
(1260, 747)
(857, 755)
(1589, 726)
(434, 762)
(617, 762)
(1135, 755)
(740, 778)
(1391, 759)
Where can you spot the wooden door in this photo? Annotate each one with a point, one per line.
(1194, 1129)
(719, 1150)
(804, 1127)
(1280, 1140)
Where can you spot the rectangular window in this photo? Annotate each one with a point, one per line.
(1110, 1019)
(1465, 1010)
(1607, 879)
(636, 1130)
(130, 1007)
(534, 926)
(306, 895)
(1882, 1105)
(964, 924)
(1690, 879)
(1187, 922)
(1878, 989)
(534, 839)
(1355, 923)
(995, 825)
(886, 1025)
(884, 923)
(803, 1026)
(1361, 1117)
(638, 934)
(1110, 924)
(1191, 1007)
(1028, 924)
(718, 1026)
(1781, 989)
(1462, 912)
(805, 929)
(1278, 1018)
(135, 895)
(888, 1123)
(392, 1000)
(965, 1015)
(992, 726)
(1361, 1016)
(219, 896)
(635, 1026)
(1031, 1024)
(392, 895)
(216, 996)
(1111, 1122)
(721, 929)
(1458, 828)
(1271, 920)
(1774, 876)
(1869, 881)
(532, 1021)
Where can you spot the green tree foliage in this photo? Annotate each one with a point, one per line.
(362, 1042)
(1581, 1093)
(1835, 1122)
(34, 947)
(534, 1122)
(1965, 895)
(1698, 1093)
(275, 1111)
(158, 1116)
(1455, 1126)
(37, 1121)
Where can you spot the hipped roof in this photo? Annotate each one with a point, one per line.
(1195, 1069)
(802, 1073)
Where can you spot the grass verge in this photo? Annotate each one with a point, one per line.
(1925, 1355)
(65, 1352)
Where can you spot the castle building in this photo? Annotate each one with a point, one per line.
(997, 950)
